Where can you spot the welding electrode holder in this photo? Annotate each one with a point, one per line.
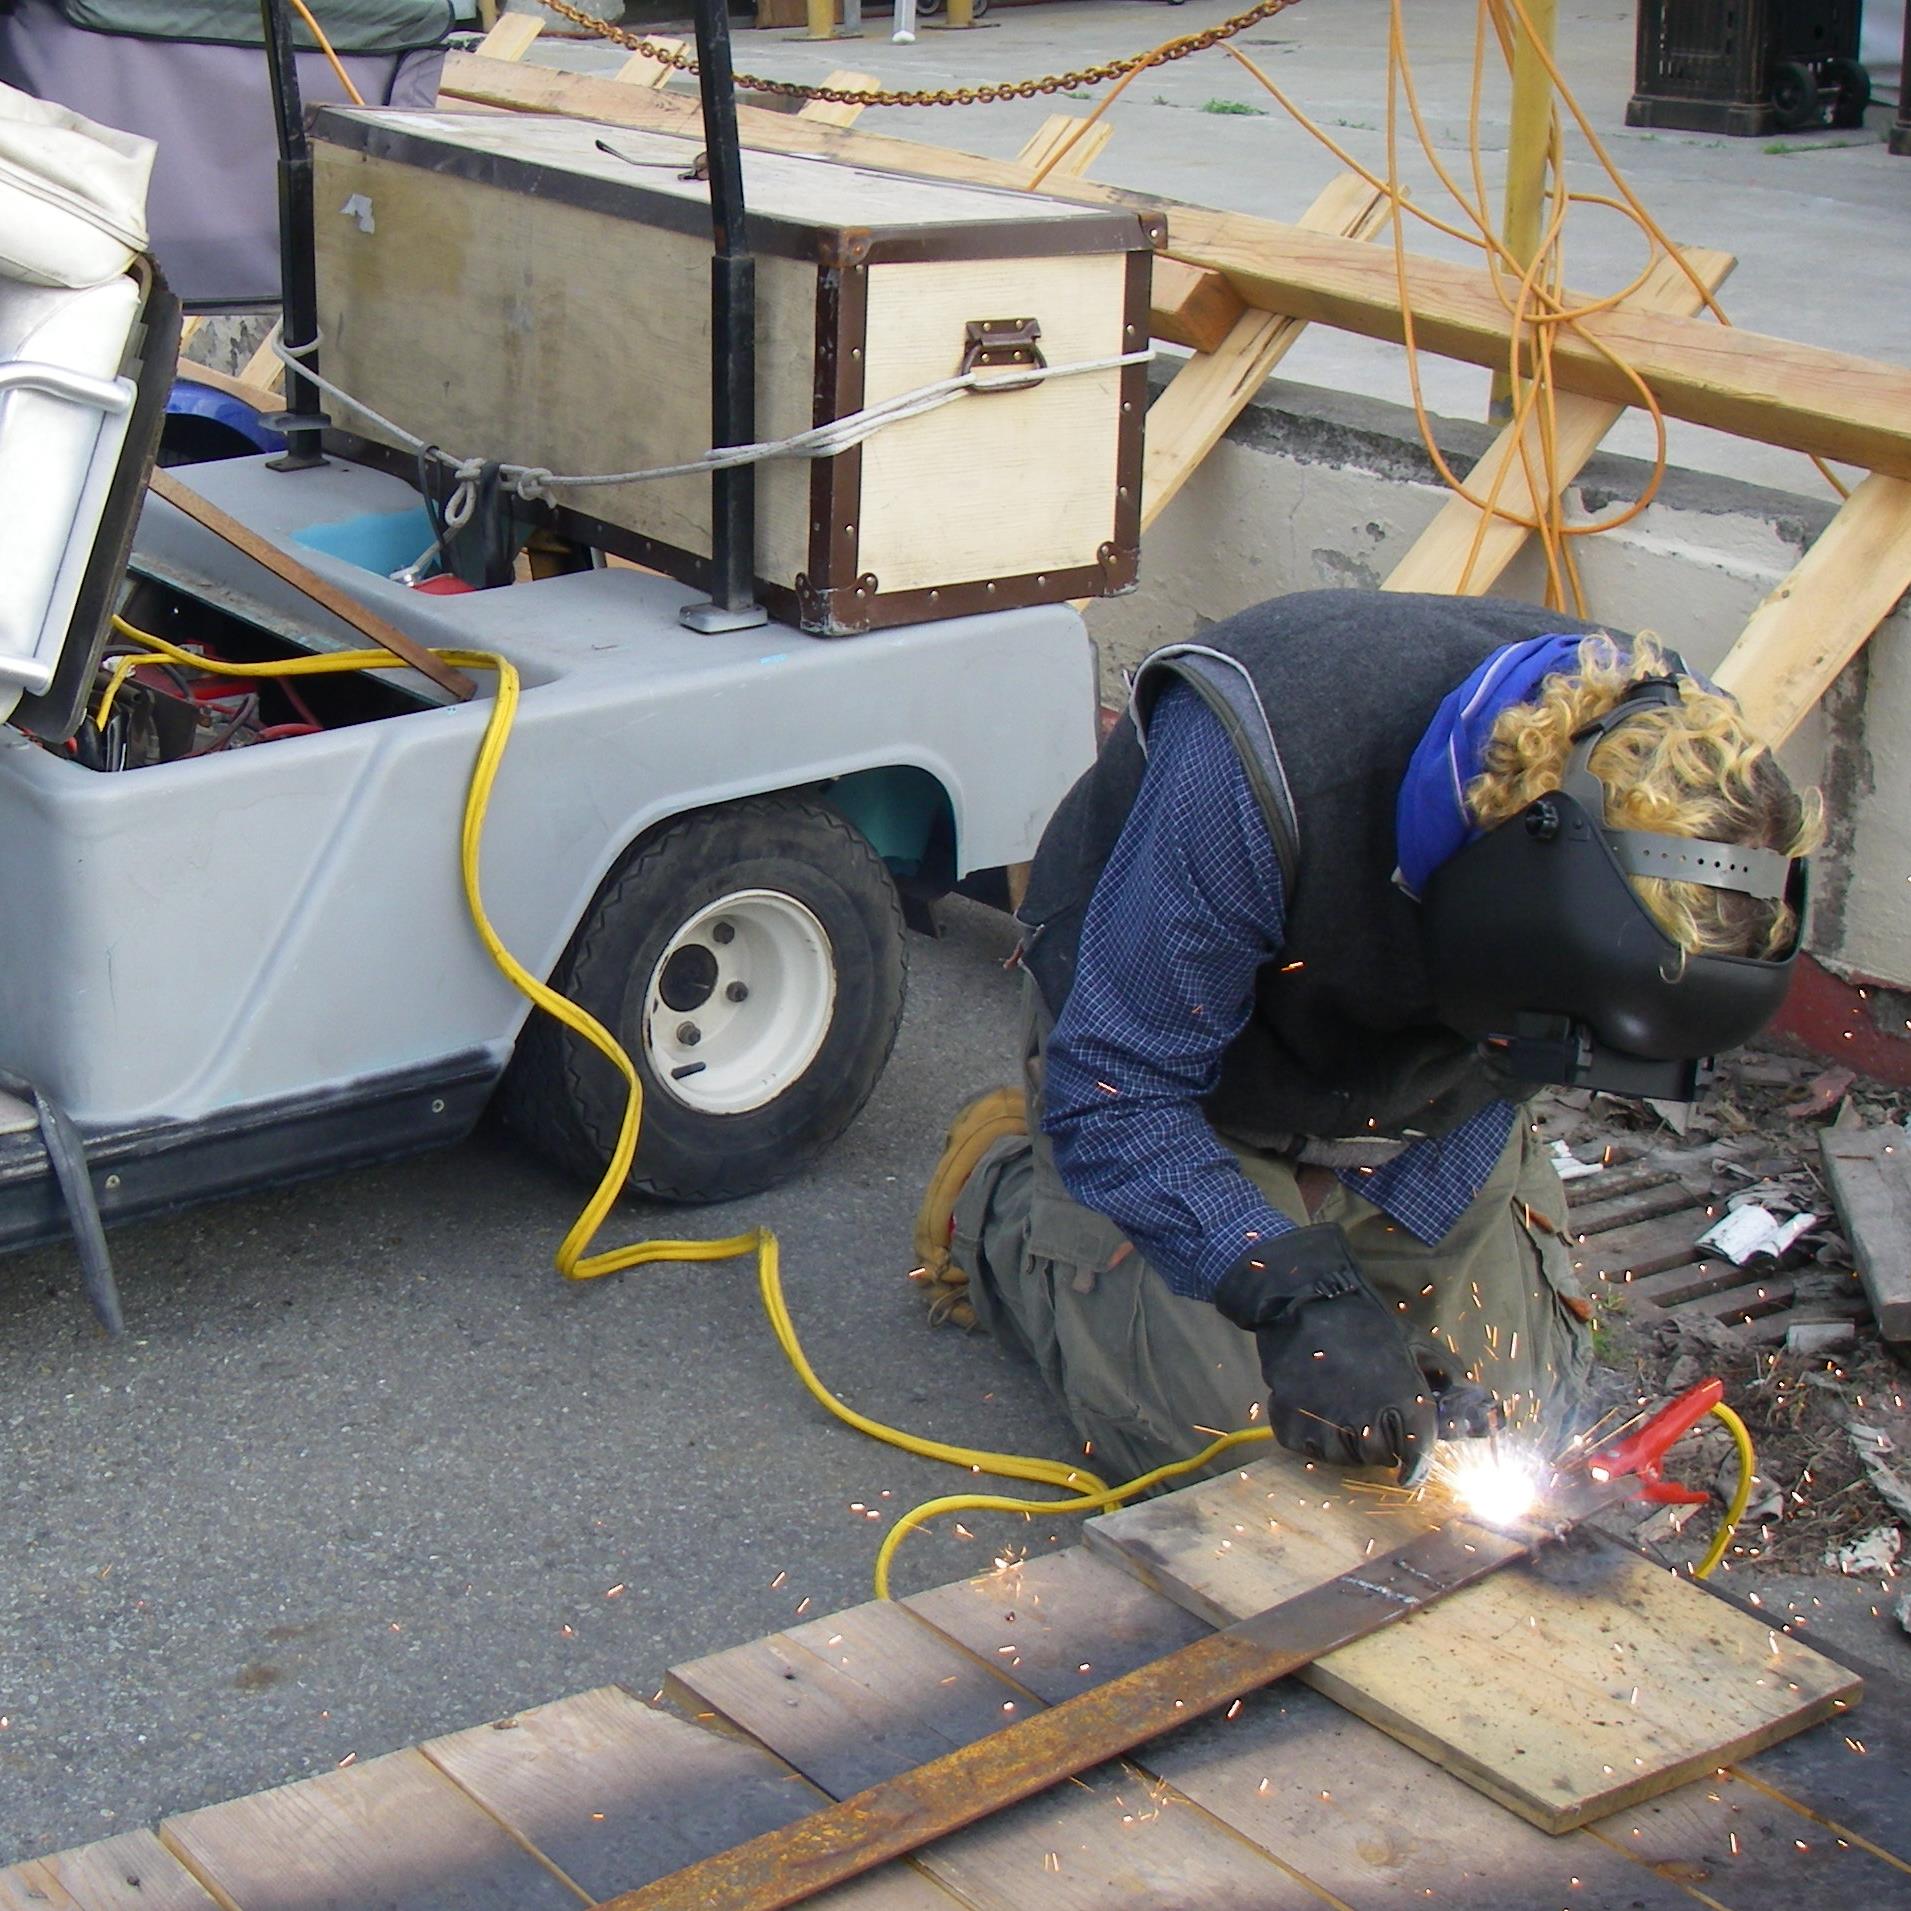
(1642, 1452)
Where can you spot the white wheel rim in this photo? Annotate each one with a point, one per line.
(739, 1002)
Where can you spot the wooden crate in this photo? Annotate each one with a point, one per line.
(509, 289)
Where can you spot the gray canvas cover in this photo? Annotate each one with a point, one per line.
(352, 26)
(213, 209)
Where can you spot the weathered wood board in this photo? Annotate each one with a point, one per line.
(1647, 1681)
(868, 1693)
(615, 1793)
(130, 1872)
(1868, 1171)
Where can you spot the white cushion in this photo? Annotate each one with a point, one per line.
(72, 194)
(47, 455)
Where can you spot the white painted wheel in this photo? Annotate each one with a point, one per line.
(739, 1003)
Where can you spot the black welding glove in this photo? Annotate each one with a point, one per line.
(1344, 1379)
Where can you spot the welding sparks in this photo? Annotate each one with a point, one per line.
(1498, 1481)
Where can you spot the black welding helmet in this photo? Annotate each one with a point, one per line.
(1540, 947)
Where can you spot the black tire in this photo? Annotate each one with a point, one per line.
(1794, 96)
(1849, 85)
(796, 855)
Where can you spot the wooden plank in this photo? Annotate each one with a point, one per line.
(118, 1874)
(645, 69)
(1212, 389)
(1063, 133)
(1868, 1171)
(1776, 390)
(1644, 1247)
(1648, 1681)
(839, 112)
(257, 396)
(1744, 1847)
(265, 368)
(394, 1832)
(511, 38)
(1675, 1284)
(1666, 1195)
(1746, 1300)
(1445, 557)
(308, 582)
(1190, 307)
(1820, 617)
(616, 1793)
(867, 1694)
(1357, 1814)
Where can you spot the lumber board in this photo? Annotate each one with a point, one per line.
(1190, 307)
(1667, 1195)
(511, 38)
(1743, 1846)
(260, 397)
(837, 112)
(392, 1831)
(222, 524)
(1821, 616)
(132, 1870)
(1074, 137)
(1213, 388)
(265, 368)
(1642, 1247)
(1775, 390)
(1868, 1172)
(866, 1694)
(1444, 557)
(1355, 1813)
(645, 69)
(1649, 1681)
(616, 1793)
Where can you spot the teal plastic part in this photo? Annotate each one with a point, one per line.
(382, 542)
(897, 810)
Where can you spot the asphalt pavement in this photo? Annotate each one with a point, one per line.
(365, 1469)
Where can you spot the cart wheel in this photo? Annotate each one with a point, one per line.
(751, 961)
(1850, 87)
(1794, 95)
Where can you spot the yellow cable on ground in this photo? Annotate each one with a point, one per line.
(1085, 1491)
(1741, 1496)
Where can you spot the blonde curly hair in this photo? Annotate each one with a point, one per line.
(1688, 769)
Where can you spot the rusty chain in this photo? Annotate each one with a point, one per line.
(1163, 55)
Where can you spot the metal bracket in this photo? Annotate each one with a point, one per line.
(992, 343)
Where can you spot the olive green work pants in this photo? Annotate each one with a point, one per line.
(1149, 1376)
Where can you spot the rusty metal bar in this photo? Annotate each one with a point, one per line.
(900, 1815)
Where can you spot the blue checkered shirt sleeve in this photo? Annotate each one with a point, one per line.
(1188, 908)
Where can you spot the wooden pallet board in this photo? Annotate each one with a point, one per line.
(616, 1793)
(871, 1692)
(1648, 1681)
(130, 1872)
(1868, 1172)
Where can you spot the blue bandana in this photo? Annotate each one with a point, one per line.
(1431, 821)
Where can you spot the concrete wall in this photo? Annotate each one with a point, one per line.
(1314, 488)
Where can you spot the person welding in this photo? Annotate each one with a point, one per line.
(1353, 875)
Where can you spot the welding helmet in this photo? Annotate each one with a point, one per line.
(1540, 948)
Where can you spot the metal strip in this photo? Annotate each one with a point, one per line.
(904, 1813)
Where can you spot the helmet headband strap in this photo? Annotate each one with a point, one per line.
(1756, 872)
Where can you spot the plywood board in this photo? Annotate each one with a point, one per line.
(616, 1794)
(130, 1872)
(392, 1832)
(1453, 554)
(860, 1696)
(1648, 1680)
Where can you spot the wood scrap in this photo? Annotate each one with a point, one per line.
(510, 39)
(1667, 1685)
(1077, 140)
(1868, 1171)
(1819, 618)
(1191, 307)
(368, 624)
(645, 69)
(844, 79)
(1212, 389)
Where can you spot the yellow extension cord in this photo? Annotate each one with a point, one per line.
(1084, 1491)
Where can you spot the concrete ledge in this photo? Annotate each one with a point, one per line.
(1315, 488)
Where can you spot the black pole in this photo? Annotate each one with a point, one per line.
(732, 338)
(301, 421)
